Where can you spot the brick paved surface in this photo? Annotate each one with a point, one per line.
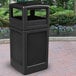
(62, 60)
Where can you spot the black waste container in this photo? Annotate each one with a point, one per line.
(29, 36)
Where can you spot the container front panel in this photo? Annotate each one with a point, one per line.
(36, 47)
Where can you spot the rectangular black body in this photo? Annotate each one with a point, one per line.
(29, 40)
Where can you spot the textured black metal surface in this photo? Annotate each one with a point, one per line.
(29, 43)
(36, 46)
